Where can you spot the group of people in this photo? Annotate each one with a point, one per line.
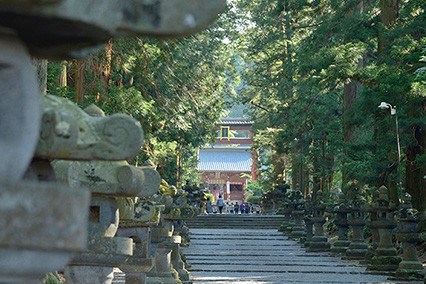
(244, 208)
(224, 207)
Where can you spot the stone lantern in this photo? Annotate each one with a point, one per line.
(308, 221)
(410, 267)
(53, 218)
(371, 209)
(357, 248)
(341, 209)
(298, 231)
(137, 217)
(168, 267)
(286, 211)
(385, 256)
(319, 241)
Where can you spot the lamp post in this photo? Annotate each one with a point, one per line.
(384, 106)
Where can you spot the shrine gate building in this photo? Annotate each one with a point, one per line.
(227, 166)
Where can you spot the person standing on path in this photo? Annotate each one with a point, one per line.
(219, 203)
(242, 207)
(209, 208)
(247, 208)
(227, 207)
(236, 208)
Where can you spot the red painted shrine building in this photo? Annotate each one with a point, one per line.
(227, 165)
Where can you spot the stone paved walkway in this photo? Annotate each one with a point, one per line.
(225, 256)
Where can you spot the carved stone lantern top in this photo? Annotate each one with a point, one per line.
(407, 212)
(72, 28)
(342, 205)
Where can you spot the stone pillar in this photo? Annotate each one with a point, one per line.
(308, 221)
(371, 209)
(42, 223)
(357, 248)
(286, 211)
(319, 241)
(385, 257)
(298, 231)
(72, 133)
(177, 262)
(169, 267)
(163, 243)
(410, 267)
(341, 210)
(137, 217)
(136, 222)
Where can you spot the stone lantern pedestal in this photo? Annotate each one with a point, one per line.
(319, 241)
(286, 211)
(371, 209)
(341, 210)
(298, 231)
(357, 248)
(138, 228)
(385, 256)
(163, 242)
(410, 267)
(42, 224)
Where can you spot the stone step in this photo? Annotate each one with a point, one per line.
(252, 256)
(229, 221)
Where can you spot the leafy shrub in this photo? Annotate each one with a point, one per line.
(253, 199)
(52, 278)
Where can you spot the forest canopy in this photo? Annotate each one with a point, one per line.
(312, 74)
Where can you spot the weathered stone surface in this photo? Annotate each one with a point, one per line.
(319, 241)
(41, 224)
(70, 133)
(51, 217)
(72, 28)
(136, 210)
(385, 256)
(109, 178)
(19, 108)
(29, 266)
(152, 181)
(23, 3)
(341, 209)
(89, 274)
(228, 256)
(410, 267)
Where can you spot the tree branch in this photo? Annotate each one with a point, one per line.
(307, 26)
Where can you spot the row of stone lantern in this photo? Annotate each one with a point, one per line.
(44, 222)
(350, 212)
(130, 214)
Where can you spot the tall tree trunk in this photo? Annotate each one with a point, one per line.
(415, 172)
(295, 173)
(279, 167)
(351, 92)
(80, 80)
(41, 66)
(388, 16)
(63, 76)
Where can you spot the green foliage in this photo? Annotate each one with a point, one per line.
(254, 188)
(52, 278)
(208, 195)
(253, 199)
(304, 61)
(175, 88)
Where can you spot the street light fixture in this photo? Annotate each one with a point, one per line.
(384, 106)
